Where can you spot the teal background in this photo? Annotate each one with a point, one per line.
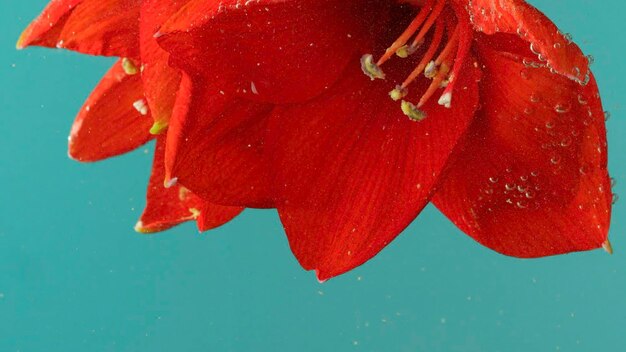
(75, 277)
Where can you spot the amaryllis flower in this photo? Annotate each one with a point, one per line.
(349, 117)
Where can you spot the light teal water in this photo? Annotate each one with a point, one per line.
(75, 277)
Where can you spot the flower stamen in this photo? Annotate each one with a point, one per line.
(434, 16)
(437, 67)
(430, 53)
(435, 84)
(408, 32)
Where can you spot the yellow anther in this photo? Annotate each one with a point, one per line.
(170, 182)
(158, 127)
(370, 68)
(398, 93)
(129, 67)
(182, 193)
(195, 213)
(405, 51)
(412, 111)
(430, 71)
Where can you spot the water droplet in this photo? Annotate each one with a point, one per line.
(534, 49)
(562, 108)
(615, 198)
(493, 179)
(566, 142)
(568, 37)
(524, 74)
(555, 159)
(607, 115)
(535, 98)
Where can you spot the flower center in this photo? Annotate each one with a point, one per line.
(434, 64)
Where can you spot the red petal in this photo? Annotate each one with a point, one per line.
(168, 207)
(271, 51)
(520, 18)
(215, 146)
(108, 124)
(96, 27)
(531, 180)
(353, 171)
(160, 80)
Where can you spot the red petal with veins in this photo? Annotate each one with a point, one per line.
(160, 80)
(96, 27)
(168, 207)
(520, 18)
(215, 146)
(269, 51)
(108, 124)
(531, 179)
(352, 171)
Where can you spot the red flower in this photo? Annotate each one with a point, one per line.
(494, 116)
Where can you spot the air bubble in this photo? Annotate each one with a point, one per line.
(562, 108)
(566, 142)
(535, 98)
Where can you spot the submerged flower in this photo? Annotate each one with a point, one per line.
(348, 117)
